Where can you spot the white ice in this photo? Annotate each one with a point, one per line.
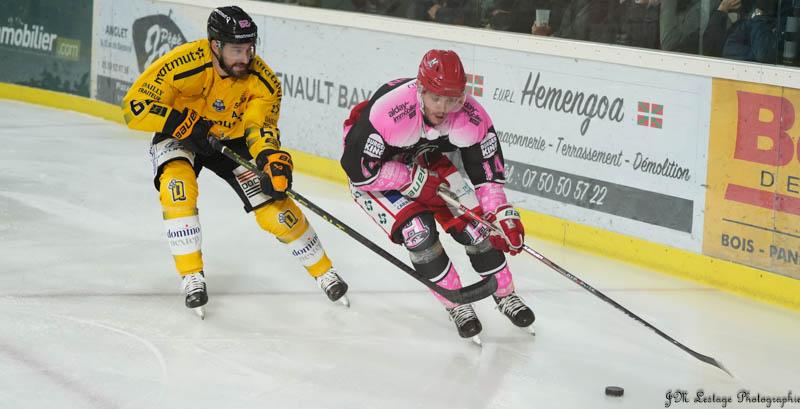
(91, 315)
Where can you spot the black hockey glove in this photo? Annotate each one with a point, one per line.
(192, 130)
(277, 167)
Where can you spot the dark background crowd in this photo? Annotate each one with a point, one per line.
(764, 31)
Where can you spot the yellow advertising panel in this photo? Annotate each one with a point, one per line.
(753, 200)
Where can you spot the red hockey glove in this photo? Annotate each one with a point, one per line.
(278, 166)
(442, 166)
(506, 218)
(423, 186)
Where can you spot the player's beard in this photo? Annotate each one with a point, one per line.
(437, 118)
(239, 70)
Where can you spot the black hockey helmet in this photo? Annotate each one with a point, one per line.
(230, 24)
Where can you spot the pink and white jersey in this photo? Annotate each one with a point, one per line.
(397, 117)
(385, 134)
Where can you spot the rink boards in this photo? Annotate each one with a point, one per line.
(670, 167)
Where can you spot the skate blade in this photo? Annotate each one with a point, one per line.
(477, 341)
(200, 311)
(530, 330)
(344, 300)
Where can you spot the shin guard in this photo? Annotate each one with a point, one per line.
(287, 223)
(428, 256)
(178, 196)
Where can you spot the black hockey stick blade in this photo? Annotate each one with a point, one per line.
(465, 295)
(707, 359)
(451, 199)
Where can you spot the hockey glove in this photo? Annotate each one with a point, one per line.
(423, 185)
(277, 165)
(506, 218)
(442, 166)
(192, 130)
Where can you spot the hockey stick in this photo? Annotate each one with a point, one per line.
(451, 199)
(465, 295)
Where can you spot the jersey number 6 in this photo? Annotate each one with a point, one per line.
(137, 107)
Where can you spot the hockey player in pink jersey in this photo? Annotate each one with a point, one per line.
(413, 135)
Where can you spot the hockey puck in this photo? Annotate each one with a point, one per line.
(614, 391)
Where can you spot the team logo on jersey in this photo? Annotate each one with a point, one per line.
(489, 145)
(375, 146)
(218, 105)
(425, 149)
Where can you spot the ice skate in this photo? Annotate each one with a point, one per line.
(334, 287)
(516, 311)
(194, 286)
(466, 322)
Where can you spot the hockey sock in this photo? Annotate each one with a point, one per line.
(427, 254)
(287, 223)
(451, 281)
(505, 284)
(178, 195)
(433, 264)
(488, 261)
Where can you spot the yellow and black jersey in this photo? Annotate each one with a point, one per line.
(185, 78)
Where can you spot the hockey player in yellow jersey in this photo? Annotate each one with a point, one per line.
(219, 87)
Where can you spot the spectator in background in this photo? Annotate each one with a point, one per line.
(719, 23)
(344, 5)
(638, 23)
(394, 8)
(587, 20)
(680, 26)
(754, 38)
(460, 12)
(515, 15)
(388, 7)
(625, 22)
(546, 16)
(416, 9)
(305, 3)
(500, 16)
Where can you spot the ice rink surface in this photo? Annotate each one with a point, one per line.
(91, 315)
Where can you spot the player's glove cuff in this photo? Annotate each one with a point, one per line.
(278, 166)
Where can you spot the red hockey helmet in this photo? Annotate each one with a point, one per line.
(441, 72)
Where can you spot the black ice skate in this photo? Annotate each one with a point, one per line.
(334, 287)
(516, 311)
(194, 286)
(466, 322)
